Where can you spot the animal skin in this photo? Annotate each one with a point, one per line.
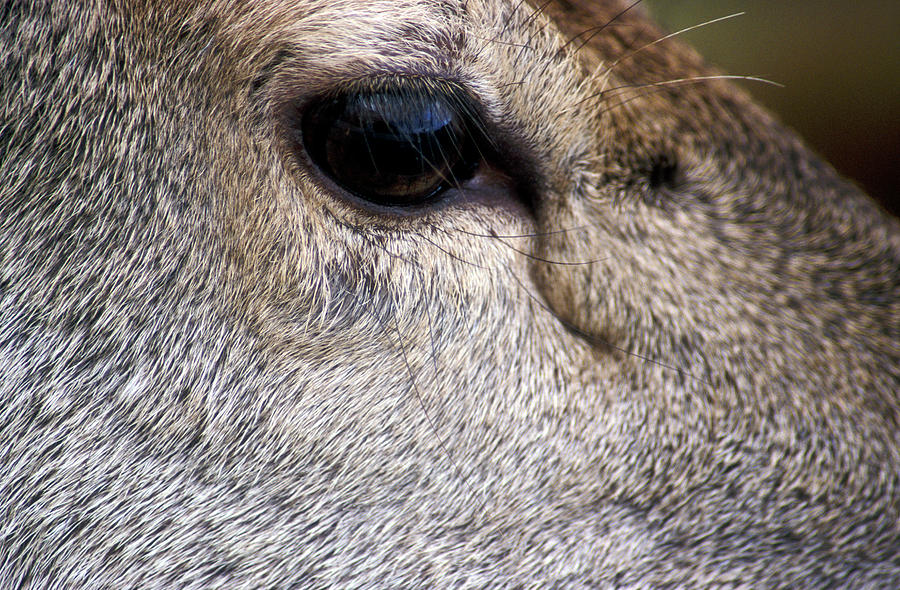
(648, 339)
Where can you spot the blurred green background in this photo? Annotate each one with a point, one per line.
(839, 63)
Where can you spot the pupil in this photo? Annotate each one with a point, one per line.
(400, 147)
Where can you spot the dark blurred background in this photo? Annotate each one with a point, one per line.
(839, 63)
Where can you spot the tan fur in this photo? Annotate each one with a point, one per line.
(217, 371)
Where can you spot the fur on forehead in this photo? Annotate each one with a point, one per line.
(385, 34)
(341, 29)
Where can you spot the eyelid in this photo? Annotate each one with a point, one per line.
(500, 141)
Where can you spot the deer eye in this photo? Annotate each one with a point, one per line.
(399, 146)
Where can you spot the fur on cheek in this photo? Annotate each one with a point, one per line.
(657, 349)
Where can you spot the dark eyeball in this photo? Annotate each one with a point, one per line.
(399, 146)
